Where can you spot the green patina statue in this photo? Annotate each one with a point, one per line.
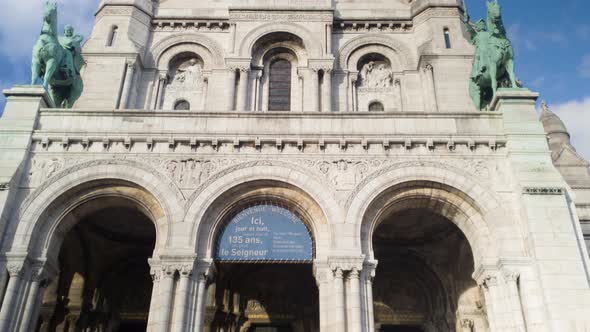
(493, 63)
(58, 60)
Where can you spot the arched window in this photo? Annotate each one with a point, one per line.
(376, 107)
(182, 105)
(112, 36)
(280, 86)
(447, 34)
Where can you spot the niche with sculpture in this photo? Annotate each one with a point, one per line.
(185, 86)
(376, 85)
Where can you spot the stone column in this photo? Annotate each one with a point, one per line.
(353, 96)
(166, 296)
(489, 285)
(242, 89)
(127, 84)
(231, 88)
(327, 91)
(398, 85)
(255, 88)
(37, 279)
(368, 275)
(181, 298)
(153, 316)
(511, 279)
(265, 90)
(204, 271)
(323, 277)
(430, 88)
(339, 307)
(314, 88)
(354, 303)
(8, 312)
(205, 94)
(162, 79)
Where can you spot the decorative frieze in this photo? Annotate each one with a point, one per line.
(373, 26)
(281, 16)
(170, 25)
(258, 144)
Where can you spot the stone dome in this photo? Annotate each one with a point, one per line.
(551, 122)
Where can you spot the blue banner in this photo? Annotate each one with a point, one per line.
(265, 233)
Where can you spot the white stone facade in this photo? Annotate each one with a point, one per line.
(406, 189)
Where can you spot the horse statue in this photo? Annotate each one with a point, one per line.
(493, 63)
(58, 60)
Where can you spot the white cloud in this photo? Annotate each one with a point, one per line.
(21, 20)
(576, 117)
(584, 67)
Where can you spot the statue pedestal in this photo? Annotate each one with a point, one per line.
(547, 219)
(17, 124)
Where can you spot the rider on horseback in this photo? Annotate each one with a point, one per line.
(71, 42)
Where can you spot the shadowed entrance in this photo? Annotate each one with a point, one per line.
(104, 282)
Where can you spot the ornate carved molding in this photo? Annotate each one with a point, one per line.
(77, 164)
(280, 16)
(346, 263)
(373, 26)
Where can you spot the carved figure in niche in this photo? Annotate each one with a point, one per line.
(374, 75)
(188, 74)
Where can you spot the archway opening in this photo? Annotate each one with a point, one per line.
(104, 281)
(276, 60)
(264, 279)
(424, 279)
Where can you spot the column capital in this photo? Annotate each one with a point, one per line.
(130, 63)
(488, 281)
(321, 64)
(427, 67)
(163, 76)
(346, 263)
(511, 276)
(15, 269)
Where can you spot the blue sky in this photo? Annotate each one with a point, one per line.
(551, 39)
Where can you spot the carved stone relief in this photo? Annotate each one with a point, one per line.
(186, 83)
(376, 75)
(344, 175)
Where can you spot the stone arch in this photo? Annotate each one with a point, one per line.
(299, 54)
(163, 51)
(202, 231)
(43, 212)
(312, 44)
(406, 58)
(473, 209)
